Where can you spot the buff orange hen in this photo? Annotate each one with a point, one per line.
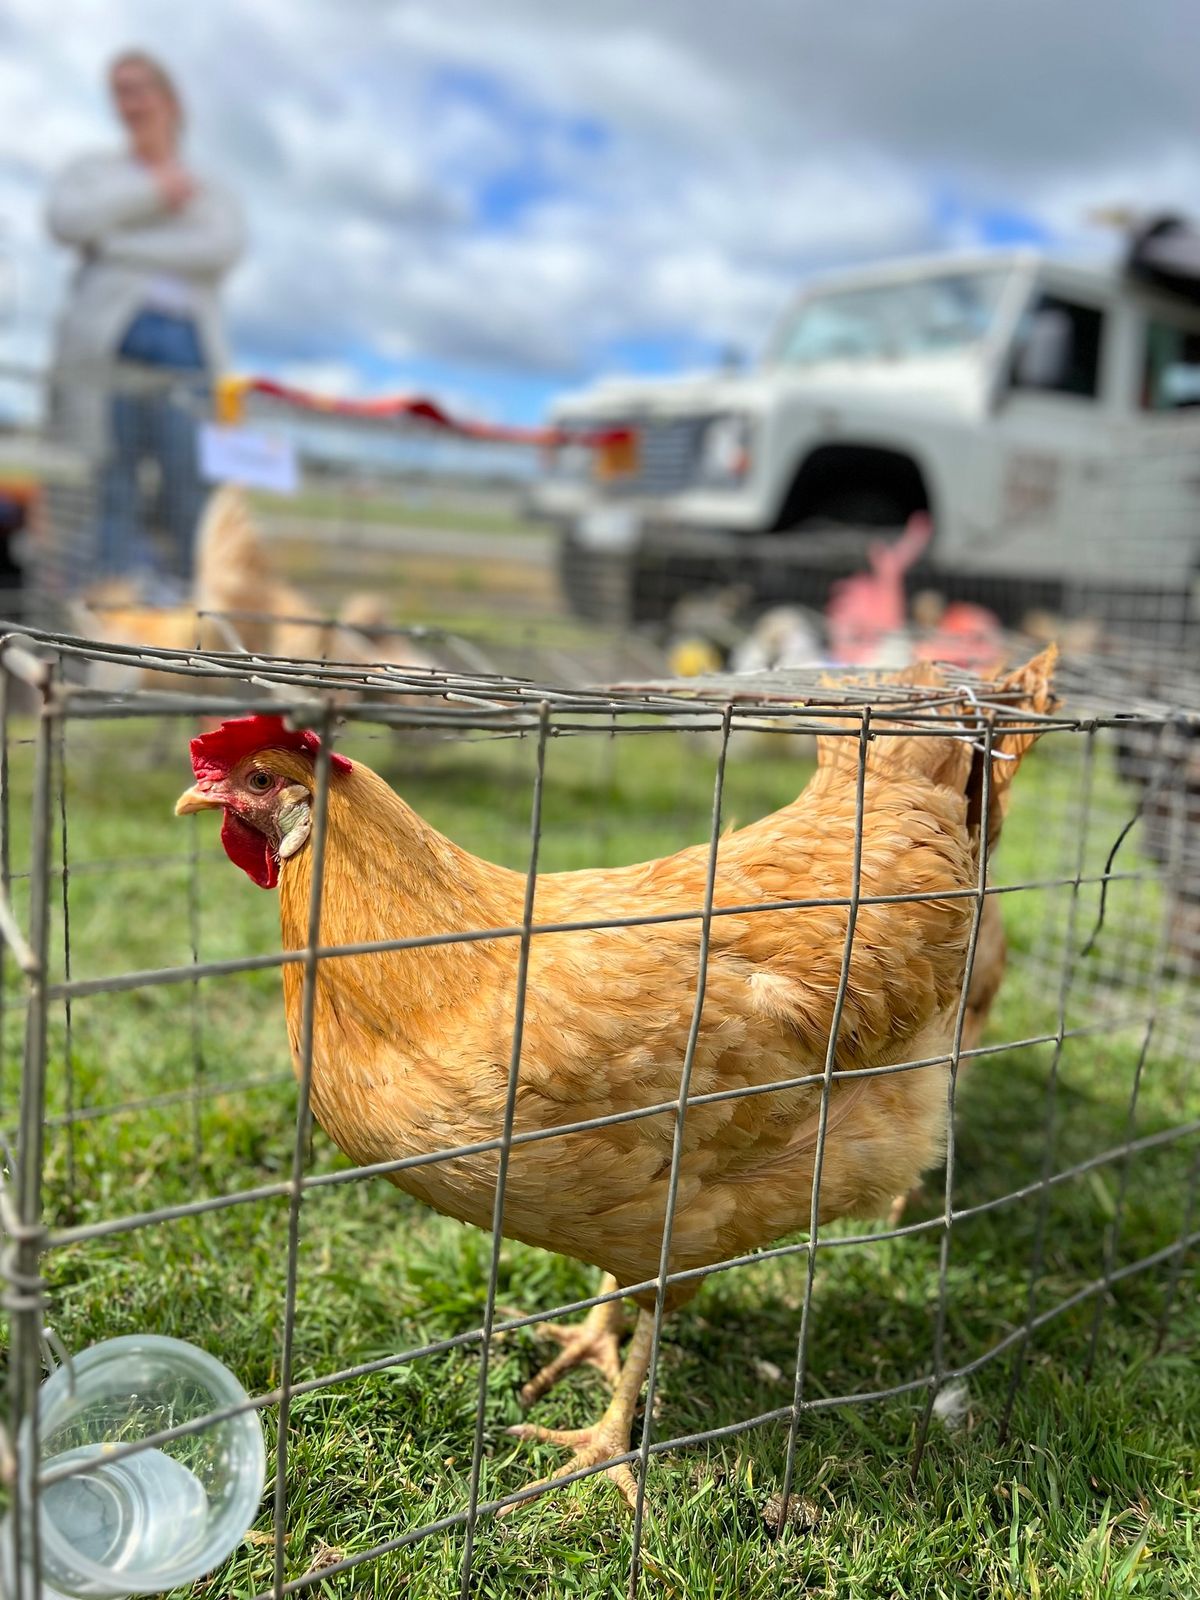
(411, 1048)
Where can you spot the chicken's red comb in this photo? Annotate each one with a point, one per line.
(214, 755)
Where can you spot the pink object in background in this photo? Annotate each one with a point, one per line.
(966, 636)
(865, 609)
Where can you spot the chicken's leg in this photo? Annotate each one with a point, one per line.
(901, 1204)
(595, 1342)
(610, 1436)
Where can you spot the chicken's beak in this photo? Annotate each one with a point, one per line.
(195, 799)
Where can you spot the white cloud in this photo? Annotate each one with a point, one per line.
(339, 379)
(685, 162)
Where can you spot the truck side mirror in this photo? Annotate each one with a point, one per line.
(1041, 360)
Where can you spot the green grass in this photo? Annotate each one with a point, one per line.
(415, 511)
(1095, 1492)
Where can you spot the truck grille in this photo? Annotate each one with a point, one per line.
(668, 449)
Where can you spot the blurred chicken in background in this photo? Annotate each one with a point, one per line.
(239, 602)
(782, 638)
(1075, 636)
(704, 628)
(959, 633)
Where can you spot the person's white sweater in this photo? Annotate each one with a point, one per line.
(135, 254)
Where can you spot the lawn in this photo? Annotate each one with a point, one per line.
(1094, 1491)
(428, 510)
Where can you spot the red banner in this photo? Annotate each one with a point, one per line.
(415, 408)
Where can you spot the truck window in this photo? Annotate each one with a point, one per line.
(1058, 348)
(1171, 368)
(946, 312)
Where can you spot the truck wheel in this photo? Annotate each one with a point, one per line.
(807, 579)
(596, 584)
(623, 588)
(857, 508)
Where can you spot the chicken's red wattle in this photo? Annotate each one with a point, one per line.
(250, 850)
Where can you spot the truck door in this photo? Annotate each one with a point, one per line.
(1051, 443)
(1160, 471)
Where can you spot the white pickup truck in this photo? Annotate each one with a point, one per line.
(1046, 415)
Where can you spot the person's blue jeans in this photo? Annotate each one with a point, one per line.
(160, 428)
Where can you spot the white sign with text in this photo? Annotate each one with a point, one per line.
(248, 456)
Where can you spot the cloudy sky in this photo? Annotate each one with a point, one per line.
(492, 200)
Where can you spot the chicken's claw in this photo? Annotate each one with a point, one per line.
(588, 1447)
(608, 1438)
(593, 1343)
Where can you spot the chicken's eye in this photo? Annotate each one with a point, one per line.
(259, 781)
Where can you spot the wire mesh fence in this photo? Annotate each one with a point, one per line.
(1097, 543)
(1094, 544)
(400, 535)
(627, 1040)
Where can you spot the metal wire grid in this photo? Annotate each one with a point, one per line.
(315, 694)
(1128, 574)
(497, 628)
(1160, 780)
(1159, 794)
(117, 452)
(477, 647)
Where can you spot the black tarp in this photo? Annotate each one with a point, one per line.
(1165, 251)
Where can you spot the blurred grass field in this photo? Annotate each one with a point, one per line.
(1095, 1492)
(409, 506)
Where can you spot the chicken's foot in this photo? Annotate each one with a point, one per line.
(596, 1342)
(610, 1436)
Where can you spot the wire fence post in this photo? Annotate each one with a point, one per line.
(68, 1018)
(1050, 1118)
(835, 1023)
(5, 878)
(685, 1080)
(505, 1149)
(320, 830)
(1113, 1232)
(939, 1332)
(23, 1294)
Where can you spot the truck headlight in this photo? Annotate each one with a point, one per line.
(725, 450)
(567, 462)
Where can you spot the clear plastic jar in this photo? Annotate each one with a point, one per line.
(156, 1518)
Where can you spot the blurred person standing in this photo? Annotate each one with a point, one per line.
(154, 242)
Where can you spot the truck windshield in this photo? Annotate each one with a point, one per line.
(916, 318)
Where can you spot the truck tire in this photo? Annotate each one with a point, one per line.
(857, 508)
(627, 588)
(795, 578)
(596, 584)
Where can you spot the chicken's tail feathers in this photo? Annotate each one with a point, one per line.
(232, 564)
(364, 611)
(1030, 690)
(1012, 701)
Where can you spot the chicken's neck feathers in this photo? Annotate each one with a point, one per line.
(389, 875)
